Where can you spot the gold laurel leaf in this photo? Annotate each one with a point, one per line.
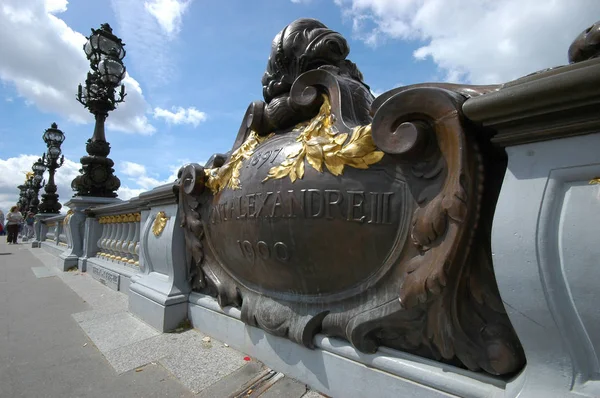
(321, 143)
(331, 148)
(295, 152)
(314, 156)
(373, 157)
(340, 138)
(334, 164)
(228, 175)
(280, 171)
(292, 173)
(353, 151)
(300, 168)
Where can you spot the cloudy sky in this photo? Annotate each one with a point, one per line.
(195, 65)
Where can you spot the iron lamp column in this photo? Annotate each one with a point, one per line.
(53, 138)
(37, 183)
(105, 53)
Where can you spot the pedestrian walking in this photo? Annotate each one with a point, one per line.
(14, 218)
(2, 228)
(29, 221)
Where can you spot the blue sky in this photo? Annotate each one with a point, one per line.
(195, 65)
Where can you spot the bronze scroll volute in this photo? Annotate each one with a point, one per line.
(193, 178)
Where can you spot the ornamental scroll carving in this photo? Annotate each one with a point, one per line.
(363, 219)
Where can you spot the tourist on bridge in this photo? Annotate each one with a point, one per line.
(14, 218)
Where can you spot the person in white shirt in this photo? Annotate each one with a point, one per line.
(14, 218)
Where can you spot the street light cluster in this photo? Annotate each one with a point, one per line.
(105, 53)
(50, 160)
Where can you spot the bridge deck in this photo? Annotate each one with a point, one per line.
(63, 334)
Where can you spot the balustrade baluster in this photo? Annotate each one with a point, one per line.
(115, 239)
(111, 237)
(130, 232)
(107, 230)
(121, 237)
(136, 238)
(102, 222)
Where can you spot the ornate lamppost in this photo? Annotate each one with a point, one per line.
(105, 52)
(53, 138)
(22, 202)
(28, 192)
(37, 182)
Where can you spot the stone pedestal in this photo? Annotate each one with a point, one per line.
(159, 294)
(75, 228)
(40, 228)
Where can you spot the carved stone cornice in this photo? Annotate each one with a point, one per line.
(554, 103)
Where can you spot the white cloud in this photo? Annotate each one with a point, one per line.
(56, 6)
(131, 169)
(168, 13)
(12, 174)
(180, 115)
(136, 174)
(143, 26)
(477, 41)
(43, 59)
(134, 179)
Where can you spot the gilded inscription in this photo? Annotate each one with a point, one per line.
(354, 206)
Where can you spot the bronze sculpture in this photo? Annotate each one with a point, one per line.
(366, 219)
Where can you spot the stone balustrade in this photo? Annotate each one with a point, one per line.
(120, 238)
(50, 233)
(62, 240)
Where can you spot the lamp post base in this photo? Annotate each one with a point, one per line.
(97, 178)
(50, 204)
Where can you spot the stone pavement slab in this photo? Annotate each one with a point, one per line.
(286, 387)
(42, 272)
(147, 351)
(46, 354)
(116, 330)
(199, 363)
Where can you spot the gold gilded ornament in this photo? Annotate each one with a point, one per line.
(228, 175)
(67, 217)
(159, 223)
(321, 145)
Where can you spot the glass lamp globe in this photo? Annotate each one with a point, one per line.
(54, 152)
(53, 136)
(38, 167)
(111, 70)
(102, 42)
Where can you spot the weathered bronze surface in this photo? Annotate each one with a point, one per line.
(586, 45)
(366, 220)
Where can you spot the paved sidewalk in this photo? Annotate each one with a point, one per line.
(46, 354)
(79, 340)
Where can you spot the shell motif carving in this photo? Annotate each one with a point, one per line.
(160, 223)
